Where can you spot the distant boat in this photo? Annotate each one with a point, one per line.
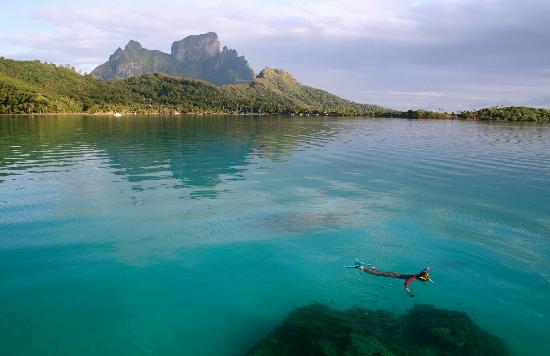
(117, 114)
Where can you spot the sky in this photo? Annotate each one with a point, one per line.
(405, 54)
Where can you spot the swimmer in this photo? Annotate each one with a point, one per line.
(423, 276)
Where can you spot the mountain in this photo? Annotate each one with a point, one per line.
(35, 87)
(196, 57)
(275, 90)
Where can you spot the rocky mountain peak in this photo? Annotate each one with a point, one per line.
(196, 47)
(196, 56)
(133, 45)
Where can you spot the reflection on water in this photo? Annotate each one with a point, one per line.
(194, 151)
(197, 235)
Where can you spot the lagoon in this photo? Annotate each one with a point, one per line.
(197, 235)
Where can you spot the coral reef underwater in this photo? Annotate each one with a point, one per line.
(317, 329)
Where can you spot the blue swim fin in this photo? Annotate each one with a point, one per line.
(358, 263)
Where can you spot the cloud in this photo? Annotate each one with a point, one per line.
(406, 93)
(462, 49)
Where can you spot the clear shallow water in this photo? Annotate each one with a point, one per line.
(197, 236)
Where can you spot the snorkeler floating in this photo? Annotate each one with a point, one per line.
(422, 276)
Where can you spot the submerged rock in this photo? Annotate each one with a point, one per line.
(319, 330)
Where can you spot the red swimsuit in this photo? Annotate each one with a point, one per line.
(409, 278)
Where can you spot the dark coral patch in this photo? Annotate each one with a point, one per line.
(319, 330)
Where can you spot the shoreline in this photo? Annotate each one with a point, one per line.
(400, 115)
(498, 114)
(192, 114)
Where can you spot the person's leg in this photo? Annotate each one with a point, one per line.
(375, 272)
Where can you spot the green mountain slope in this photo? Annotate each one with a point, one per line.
(275, 90)
(34, 87)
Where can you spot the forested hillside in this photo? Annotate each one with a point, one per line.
(35, 87)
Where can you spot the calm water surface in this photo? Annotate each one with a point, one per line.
(196, 236)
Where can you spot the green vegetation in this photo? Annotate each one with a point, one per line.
(35, 87)
(513, 113)
(426, 114)
(276, 91)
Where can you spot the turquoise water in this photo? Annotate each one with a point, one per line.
(196, 236)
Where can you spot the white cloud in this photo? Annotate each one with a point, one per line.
(102, 24)
(405, 93)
